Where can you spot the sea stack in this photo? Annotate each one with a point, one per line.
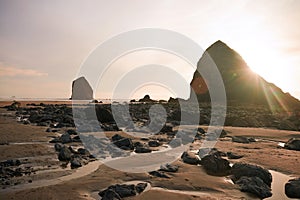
(81, 89)
(242, 85)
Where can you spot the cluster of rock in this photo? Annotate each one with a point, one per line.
(250, 178)
(10, 169)
(67, 153)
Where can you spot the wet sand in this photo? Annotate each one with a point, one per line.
(190, 182)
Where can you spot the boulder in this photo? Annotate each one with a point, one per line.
(65, 138)
(153, 143)
(293, 144)
(58, 146)
(140, 187)
(122, 190)
(254, 185)
(81, 89)
(215, 165)
(292, 188)
(110, 194)
(75, 163)
(64, 154)
(125, 142)
(242, 169)
(142, 149)
(104, 115)
(240, 139)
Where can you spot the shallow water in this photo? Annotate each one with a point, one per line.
(278, 183)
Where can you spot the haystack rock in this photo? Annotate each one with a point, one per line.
(81, 89)
(242, 85)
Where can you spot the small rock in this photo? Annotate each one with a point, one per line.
(153, 143)
(189, 159)
(140, 187)
(240, 139)
(158, 174)
(75, 163)
(231, 155)
(293, 144)
(168, 168)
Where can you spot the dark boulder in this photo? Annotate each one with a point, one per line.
(116, 137)
(109, 194)
(75, 163)
(65, 138)
(104, 115)
(142, 149)
(122, 190)
(58, 146)
(189, 159)
(293, 144)
(140, 187)
(240, 139)
(124, 143)
(242, 169)
(153, 143)
(215, 165)
(254, 185)
(72, 132)
(292, 188)
(64, 154)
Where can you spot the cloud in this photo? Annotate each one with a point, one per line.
(14, 71)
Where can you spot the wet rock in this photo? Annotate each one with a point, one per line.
(140, 187)
(168, 168)
(64, 154)
(58, 146)
(122, 191)
(142, 149)
(158, 174)
(215, 165)
(240, 139)
(83, 151)
(292, 188)
(189, 159)
(153, 143)
(75, 163)
(116, 137)
(242, 169)
(293, 144)
(65, 138)
(255, 186)
(124, 143)
(104, 115)
(231, 155)
(72, 132)
(110, 195)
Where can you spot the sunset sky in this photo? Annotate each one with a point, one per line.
(43, 43)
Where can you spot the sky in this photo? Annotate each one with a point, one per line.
(44, 43)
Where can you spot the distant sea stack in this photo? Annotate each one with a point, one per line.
(81, 89)
(242, 85)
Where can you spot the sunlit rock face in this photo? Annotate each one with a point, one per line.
(242, 85)
(81, 90)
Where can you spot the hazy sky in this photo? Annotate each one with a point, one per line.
(43, 43)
